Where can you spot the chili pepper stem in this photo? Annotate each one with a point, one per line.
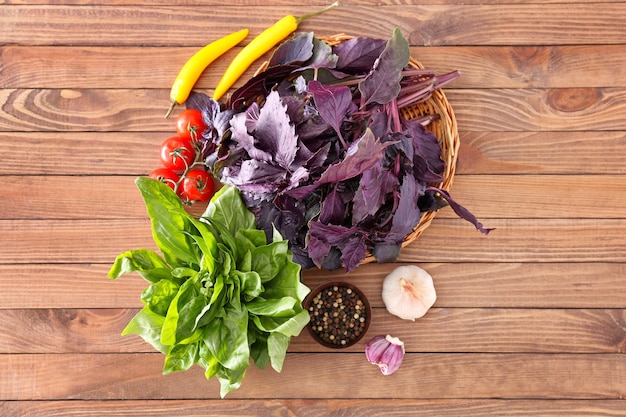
(299, 19)
(169, 111)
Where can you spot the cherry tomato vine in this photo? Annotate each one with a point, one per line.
(183, 169)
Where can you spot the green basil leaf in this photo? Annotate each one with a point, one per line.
(149, 264)
(208, 246)
(170, 327)
(159, 295)
(227, 207)
(230, 380)
(170, 222)
(208, 361)
(147, 325)
(277, 344)
(250, 284)
(268, 260)
(250, 238)
(280, 307)
(289, 326)
(259, 351)
(245, 264)
(187, 315)
(226, 242)
(286, 283)
(228, 339)
(180, 358)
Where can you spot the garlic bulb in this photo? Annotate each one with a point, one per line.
(408, 292)
(385, 351)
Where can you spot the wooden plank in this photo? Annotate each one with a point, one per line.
(498, 153)
(319, 375)
(532, 240)
(542, 153)
(488, 196)
(539, 110)
(559, 66)
(545, 196)
(67, 286)
(446, 240)
(76, 110)
(317, 407)
(79, 153)
(270, 3)
(442, 330)
(453, 24)
(468, 285)
(84, 110)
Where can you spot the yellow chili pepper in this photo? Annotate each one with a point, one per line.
(191, 71)
(259, 46)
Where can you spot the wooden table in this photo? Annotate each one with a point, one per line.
(529, 321)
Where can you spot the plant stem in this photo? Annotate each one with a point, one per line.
(299, 19)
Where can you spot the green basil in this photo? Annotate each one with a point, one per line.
(220, 295)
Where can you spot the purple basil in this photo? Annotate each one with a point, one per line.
(321, 152)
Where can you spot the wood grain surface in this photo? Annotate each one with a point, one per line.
(529, 321)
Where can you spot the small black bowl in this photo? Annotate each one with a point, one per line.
(340, 314)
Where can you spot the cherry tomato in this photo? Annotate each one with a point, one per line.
(178, 154)
(197, 185)
(165, 175)
(190, 125)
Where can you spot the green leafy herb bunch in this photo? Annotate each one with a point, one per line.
(221, 294)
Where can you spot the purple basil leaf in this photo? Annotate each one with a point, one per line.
(353, 252)
(431, 201)
(301, 192)
(332, 260)
(296, 50)
(374, 186)
(322, 237)
(217, 121)
(382, 84)
(323, 56)
(386, 252)
(333, 207)
(254, 177)
(462, 211)
(408, 214)
(331, 233)
(240, 135)
(379, 123)
(259, 86)
(332, 102)
(274, 133)
(428, 163)
(295, 177)
(301, 257)
(357, 55)
(317, 249)
(363, 154)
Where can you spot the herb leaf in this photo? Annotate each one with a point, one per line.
(383, 83)
(332, 102)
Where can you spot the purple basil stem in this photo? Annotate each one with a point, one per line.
(385, 351)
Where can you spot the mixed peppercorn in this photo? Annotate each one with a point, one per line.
(339, 316)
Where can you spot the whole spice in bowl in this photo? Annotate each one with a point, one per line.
(340, 314)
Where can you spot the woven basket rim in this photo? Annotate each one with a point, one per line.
(445, 129)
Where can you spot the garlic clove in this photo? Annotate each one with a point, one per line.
(408, 292)
(385, 351)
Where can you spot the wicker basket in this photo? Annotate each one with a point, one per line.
(444, 128)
